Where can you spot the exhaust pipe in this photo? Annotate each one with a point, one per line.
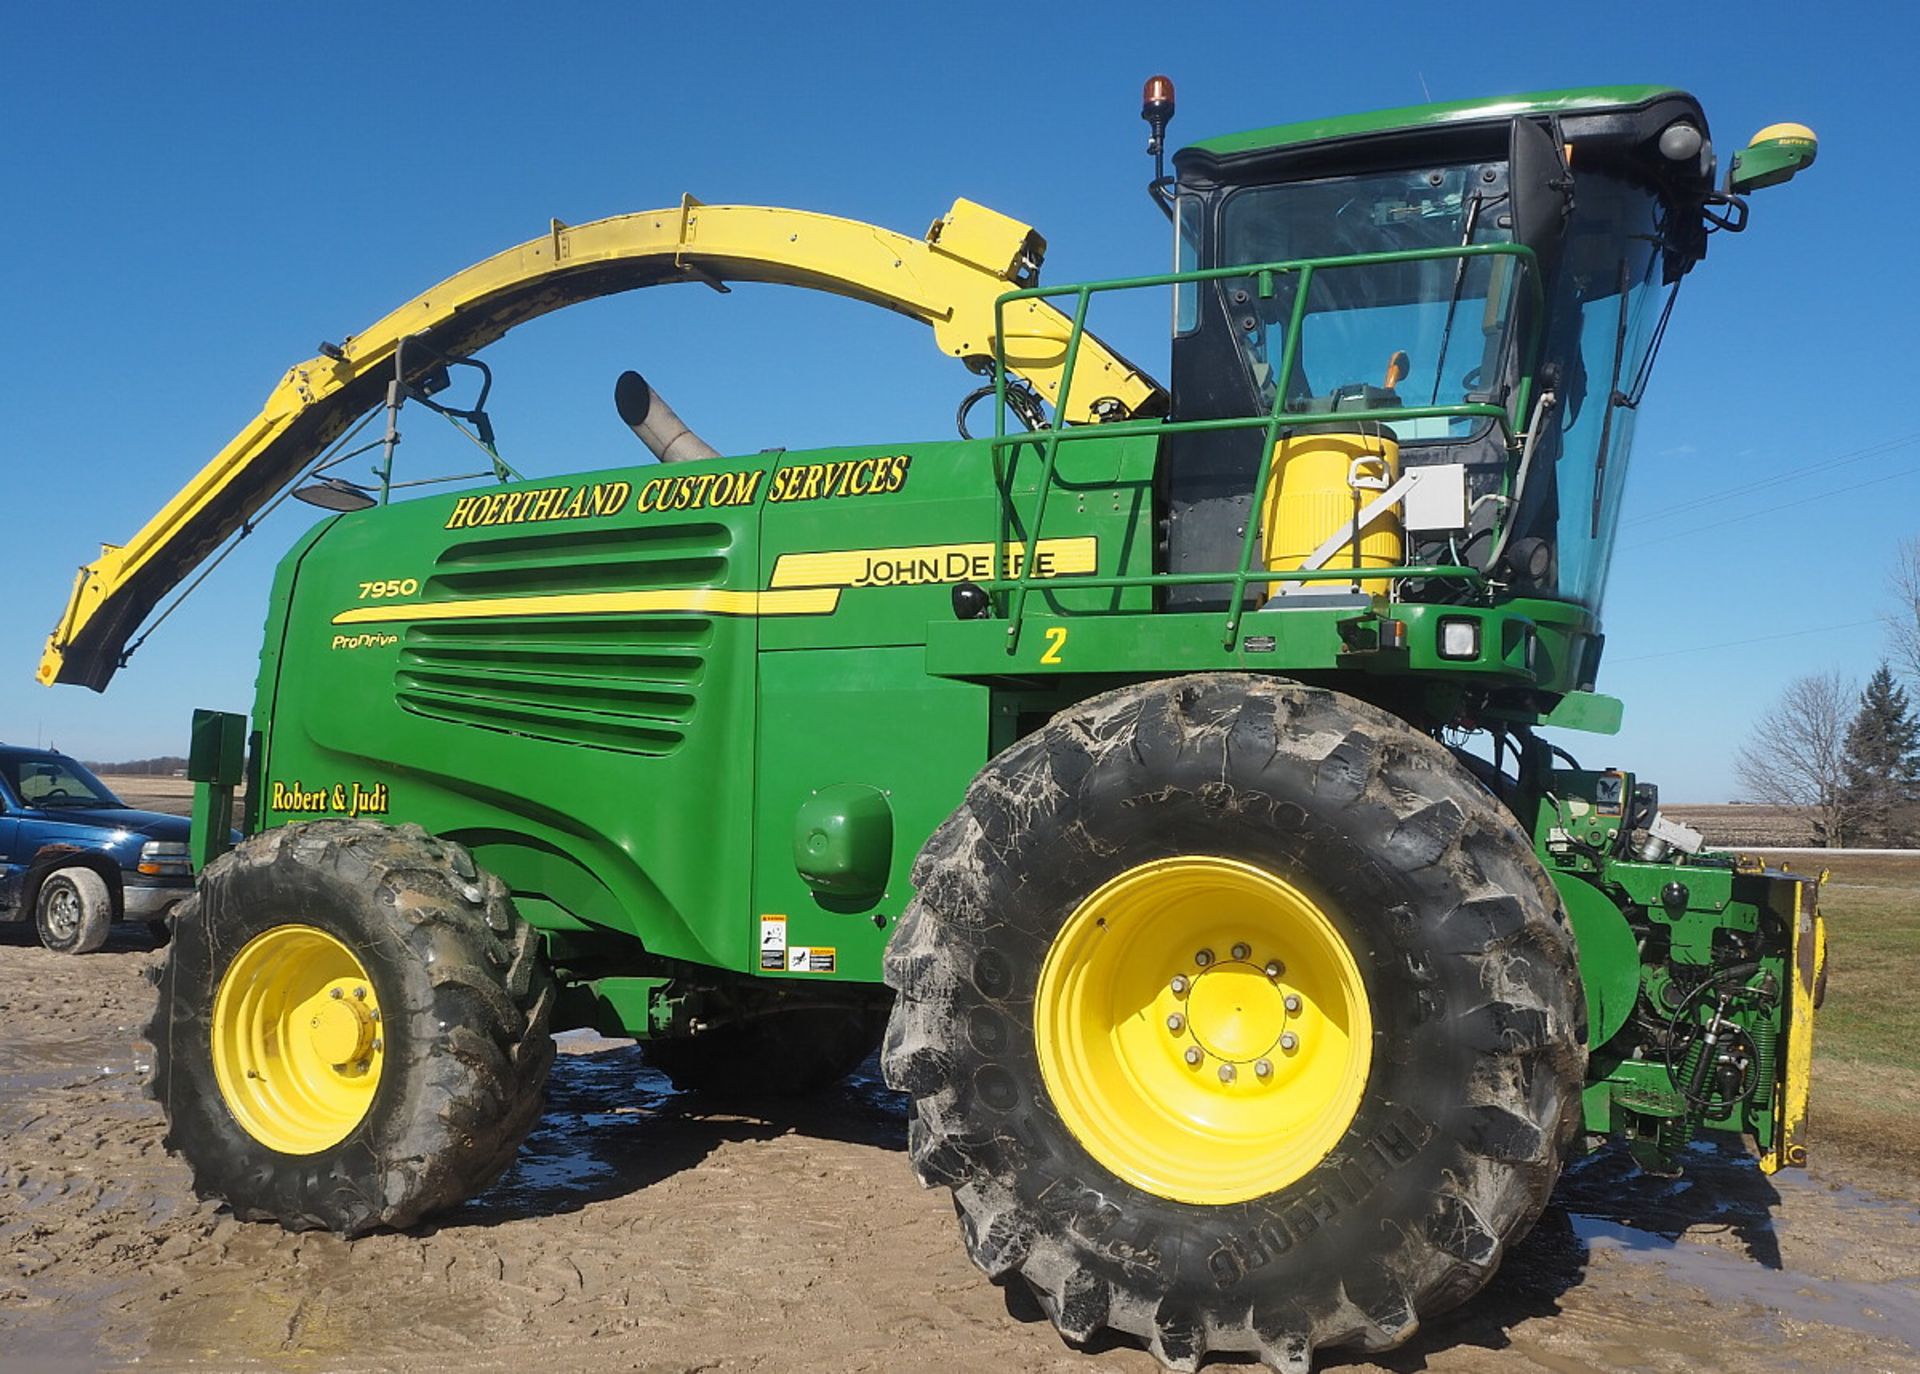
(654, 424)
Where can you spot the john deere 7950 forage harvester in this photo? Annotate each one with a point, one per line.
(1120, 754)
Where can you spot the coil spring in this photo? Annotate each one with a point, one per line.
(1766, 1052)
(1676, 1132)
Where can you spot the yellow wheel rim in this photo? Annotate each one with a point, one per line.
(298, 1040)
(1203, 1030)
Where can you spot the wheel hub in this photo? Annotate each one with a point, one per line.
(298, 1043)
(1235, 1012)
(63, 912)
(1203, 1029)
(341, 1025)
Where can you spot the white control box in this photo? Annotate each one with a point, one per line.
(1437, 500)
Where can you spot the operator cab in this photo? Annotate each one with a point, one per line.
(1490, 281)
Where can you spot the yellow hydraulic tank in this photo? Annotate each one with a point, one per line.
(1311, 498)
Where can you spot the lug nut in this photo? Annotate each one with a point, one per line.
(1203, 957)
(1292, 1003)
(1262, 1068)
(1193, 1055)
(361, 993)
(374, 1015)
(1179, 985)
(1275, 968)
(379, 1045)
(1241, 951)
(1289, 1041)
(1176, 1023)
(336, 994)
(1226, 1073)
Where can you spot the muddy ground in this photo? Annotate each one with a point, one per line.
(644, 1230)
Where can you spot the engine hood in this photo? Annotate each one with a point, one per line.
(105, 820)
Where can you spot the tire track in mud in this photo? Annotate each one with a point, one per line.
(642, 1229)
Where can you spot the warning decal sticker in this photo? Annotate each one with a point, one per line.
(773, 943)
(812, 959)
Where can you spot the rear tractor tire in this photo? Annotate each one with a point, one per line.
(775, 1054)
(352, 1027)
(1238, 1018)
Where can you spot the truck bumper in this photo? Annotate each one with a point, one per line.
(152, 901)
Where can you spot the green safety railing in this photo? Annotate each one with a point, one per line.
(1265, 275)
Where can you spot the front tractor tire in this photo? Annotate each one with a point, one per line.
(352, 1027)
(1238, 1018)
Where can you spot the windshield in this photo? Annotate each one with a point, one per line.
(1423, 333)
(1607, 308)
(49, 780)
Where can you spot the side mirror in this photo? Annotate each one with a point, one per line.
(1772, 156)
(1540, 189)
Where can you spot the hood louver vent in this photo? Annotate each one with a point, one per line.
(626, 682)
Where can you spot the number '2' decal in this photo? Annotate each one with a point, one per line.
(1056, 641)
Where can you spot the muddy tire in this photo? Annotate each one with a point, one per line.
(1191, 1230)
(73, 911)
(781, 1054)
(404, 1006)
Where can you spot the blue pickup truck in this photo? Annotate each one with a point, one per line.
(74, 858)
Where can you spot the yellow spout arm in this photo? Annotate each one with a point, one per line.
(949, 280)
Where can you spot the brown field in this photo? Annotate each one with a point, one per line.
(1728, 827)
(172, 795)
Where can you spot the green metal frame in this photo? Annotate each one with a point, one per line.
(1687, 904)
(1006, 447)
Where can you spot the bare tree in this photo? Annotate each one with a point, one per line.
(1905, 628)
(1797, 753)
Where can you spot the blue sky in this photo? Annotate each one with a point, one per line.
(198, 194)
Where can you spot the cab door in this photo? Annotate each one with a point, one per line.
(12, 863)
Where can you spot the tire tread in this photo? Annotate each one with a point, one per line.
(1371, 767)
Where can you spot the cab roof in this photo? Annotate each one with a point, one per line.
(1601, 124)
(1585, 98)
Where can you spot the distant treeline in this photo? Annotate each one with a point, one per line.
(163, 767)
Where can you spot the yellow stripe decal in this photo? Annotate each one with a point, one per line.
(921, 564)
(713, 600)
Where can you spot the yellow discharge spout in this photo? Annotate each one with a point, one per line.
(949, 280)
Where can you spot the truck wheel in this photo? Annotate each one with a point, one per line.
(74, 911)
(781, 1054)
(352, 1027)
(1237, 1018)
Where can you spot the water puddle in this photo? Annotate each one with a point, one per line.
(1718, 1229)
(1876, 1309)
(31, 1066)
(613, 1125)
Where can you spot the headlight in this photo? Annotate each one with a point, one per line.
(165, 859)
(1459, 638)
